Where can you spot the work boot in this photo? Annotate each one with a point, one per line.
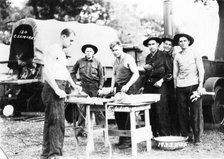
(124, 146)
(126, 143)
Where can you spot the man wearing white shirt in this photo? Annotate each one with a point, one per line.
(188, 74)
(53, 95)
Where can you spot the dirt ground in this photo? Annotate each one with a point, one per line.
(22, 140)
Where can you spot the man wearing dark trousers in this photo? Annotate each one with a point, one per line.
(188, 74)
(91, 76)
(125, 74)
(53, 95)
(168, 48)
(158, 70)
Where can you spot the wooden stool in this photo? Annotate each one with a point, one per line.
(139, 134)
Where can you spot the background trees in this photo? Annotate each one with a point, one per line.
(219, 52)
(130, 25)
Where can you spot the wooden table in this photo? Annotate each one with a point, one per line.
(133, 105)
(92, 104)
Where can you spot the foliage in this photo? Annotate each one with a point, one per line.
(59, 9)
(95, 13)
(133, 28)
(4, 12)
(205, 2)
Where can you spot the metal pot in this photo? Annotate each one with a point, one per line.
(170, 143)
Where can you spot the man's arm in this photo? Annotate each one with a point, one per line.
(47, 73)
(113, 80)
(100, 72)
(70, 80)
(134, 69)
(201, 72)
(175, 72)
(169, 68)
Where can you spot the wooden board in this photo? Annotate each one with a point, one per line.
(131, 100)
(90, 101)
(19, 82)
(140, 98)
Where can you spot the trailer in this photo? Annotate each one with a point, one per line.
(29, 42)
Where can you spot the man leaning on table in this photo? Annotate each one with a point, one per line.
(125, 74)
(53, 95)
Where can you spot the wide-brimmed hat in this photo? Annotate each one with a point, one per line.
(177, 37)
(157, 39)
(95, 49)
(167, 38)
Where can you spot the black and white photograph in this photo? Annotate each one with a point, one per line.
(96, 79)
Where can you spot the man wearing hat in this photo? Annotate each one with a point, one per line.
(91, 77)
(168, 49)
(188, 74)
(168, 46)
(158, 70)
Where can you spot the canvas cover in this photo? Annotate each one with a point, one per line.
(37, 35)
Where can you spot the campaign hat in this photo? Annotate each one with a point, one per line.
(95, 49)
(157, 39)
(167, 38)
(178, 36)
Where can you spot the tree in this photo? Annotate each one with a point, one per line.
(131, 26)
(58, 9)
(4, 13)
(95, 13)
(219, 55)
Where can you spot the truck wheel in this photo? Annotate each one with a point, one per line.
(218, 105)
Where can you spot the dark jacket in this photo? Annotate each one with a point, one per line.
(161, 67)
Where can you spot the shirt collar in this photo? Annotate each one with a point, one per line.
(88, 60)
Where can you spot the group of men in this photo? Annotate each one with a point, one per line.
(164, 74)
(175, 75)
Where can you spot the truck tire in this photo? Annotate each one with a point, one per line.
(213, 106)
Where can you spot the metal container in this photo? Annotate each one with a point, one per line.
(170, 143)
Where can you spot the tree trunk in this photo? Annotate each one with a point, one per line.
(219, 52)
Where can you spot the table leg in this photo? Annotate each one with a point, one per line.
(90, 144)
(74, 128)
(106, 135)
(133, 133)
(147, 125)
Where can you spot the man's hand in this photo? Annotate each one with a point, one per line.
(77, 87)
(125, 88)
(201, 91)
(60, 93)
(141, 90)
(148, 67)
(159, 83)
(100, 92)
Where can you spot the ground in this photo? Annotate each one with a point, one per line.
(22, 140)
